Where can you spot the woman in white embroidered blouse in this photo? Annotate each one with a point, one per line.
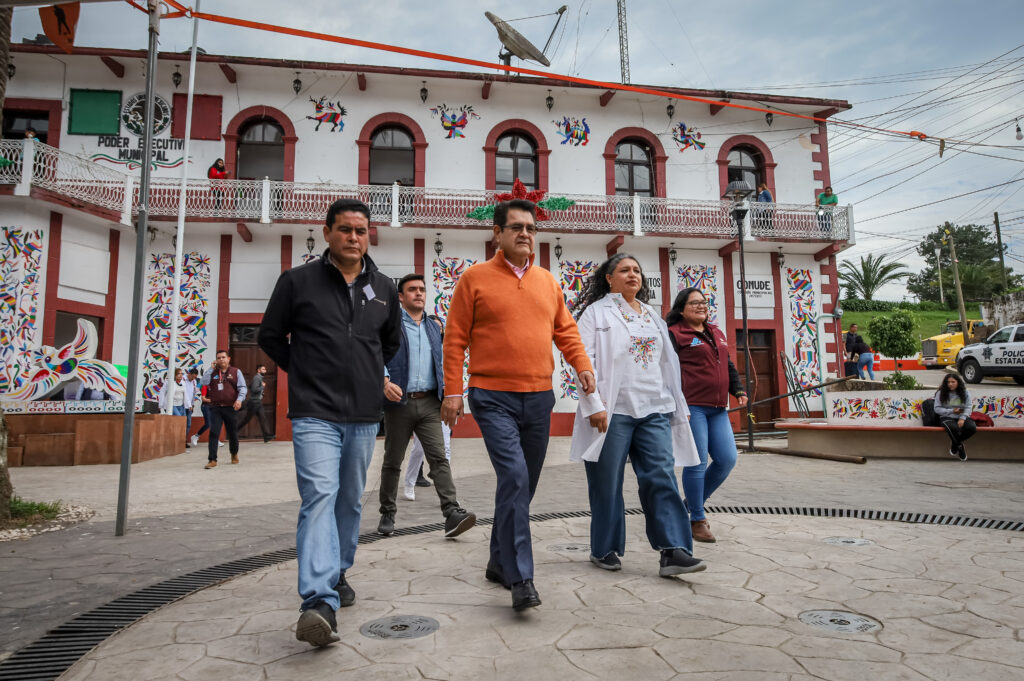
(638, 411)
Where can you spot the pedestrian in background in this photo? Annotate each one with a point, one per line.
(953, 406)
(637, 411)
(176, 396)
(512, 311)
(331, 324)
(225, 390)
(826, 203)
(216, 172)
(708, 377)
(865, 358)
(254, 405)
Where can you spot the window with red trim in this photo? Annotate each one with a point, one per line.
(746, 163)
(515, 159)
(206, 116)
(634, 168)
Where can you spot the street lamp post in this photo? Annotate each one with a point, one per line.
(738, 192)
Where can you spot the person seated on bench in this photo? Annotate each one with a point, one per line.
(953, 407)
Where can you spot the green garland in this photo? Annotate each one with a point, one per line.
(486, 213)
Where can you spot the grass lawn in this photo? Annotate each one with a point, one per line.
(928, 323)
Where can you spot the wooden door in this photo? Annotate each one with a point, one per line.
(763, 373)
(247, 355)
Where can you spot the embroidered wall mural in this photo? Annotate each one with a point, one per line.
(454, 120)
(571, 276)
(687, 137)
(909, 408)
(574, 131)
(327, 112)
(802, 317)
(705, 279)
(194, 292)
(52, 368)
(21, 252)
(446, 275)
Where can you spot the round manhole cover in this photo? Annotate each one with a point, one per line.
(840, 621)
(570, 548)
(848, 541)
(399, 626)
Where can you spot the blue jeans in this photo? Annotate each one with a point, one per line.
(330, 465)
(179, 410)
(515, 428)
(865, 365)
(648, 443)
(712, 433)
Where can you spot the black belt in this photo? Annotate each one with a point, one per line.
(418, 395)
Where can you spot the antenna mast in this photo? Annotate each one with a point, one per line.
(623, 42)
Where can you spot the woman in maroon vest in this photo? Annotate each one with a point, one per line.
(709, 377)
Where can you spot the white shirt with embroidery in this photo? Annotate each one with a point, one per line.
(642, 389)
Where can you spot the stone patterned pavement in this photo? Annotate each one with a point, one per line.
(951, 607)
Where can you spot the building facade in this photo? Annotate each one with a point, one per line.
(430, 152)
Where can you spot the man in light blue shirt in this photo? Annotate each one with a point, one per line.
(414, 387)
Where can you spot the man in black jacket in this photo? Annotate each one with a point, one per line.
(331, 324)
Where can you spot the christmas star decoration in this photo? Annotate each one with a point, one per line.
(519, 192)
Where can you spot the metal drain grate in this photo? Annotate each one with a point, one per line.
(400, 626)
(840, 621)
(569, 548)
(50, 656)
(847, 541)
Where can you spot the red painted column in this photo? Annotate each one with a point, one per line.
(107, 341)
(282, 424)
(52, 277)
(418, 247)
(224, 293)
(545, 256)
(666, 286)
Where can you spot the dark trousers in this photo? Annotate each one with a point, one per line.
(205, 408)
(255, 408)
(515, 428)
(229, 418)
(423, 417)
(958, 434)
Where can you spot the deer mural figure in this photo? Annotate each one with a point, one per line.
(328, 112)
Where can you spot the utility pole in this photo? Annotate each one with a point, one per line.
(999, 241)
(623, 42)
(938, 271)
(956, 282)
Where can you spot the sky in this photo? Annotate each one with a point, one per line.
(954, 70)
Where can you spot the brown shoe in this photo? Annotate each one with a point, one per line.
(234, 458)
(210, 464)
(701, 531)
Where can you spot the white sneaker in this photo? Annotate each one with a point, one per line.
(220, 444)
(194, 440)
(410, 492)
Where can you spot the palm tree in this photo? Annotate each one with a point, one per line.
(873, 273)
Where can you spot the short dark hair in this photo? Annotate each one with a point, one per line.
(410, 277)
(502, 209)
(260, 366)
(346, 206)
(193, 370)
(224, 351)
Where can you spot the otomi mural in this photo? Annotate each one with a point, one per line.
(803, 316)
(704, 278)
(571, 276)
(20, 259)
(446, 275)
(195, 286)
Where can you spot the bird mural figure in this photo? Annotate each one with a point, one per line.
(52, 368)
(453, 121)
(687, 137)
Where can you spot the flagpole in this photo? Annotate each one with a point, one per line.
(172, 348)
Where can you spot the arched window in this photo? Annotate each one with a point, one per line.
(392, 158)
(260, 150)
(634, 169)
(516, 158)
(746, 163)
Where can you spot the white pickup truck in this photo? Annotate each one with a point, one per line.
(1001, 354)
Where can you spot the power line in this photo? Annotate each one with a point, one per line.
(948, 198)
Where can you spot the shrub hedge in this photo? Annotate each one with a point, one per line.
(860, 305)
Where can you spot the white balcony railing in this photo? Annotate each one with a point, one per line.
(29, 164)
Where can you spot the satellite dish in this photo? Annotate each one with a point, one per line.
(517, 45)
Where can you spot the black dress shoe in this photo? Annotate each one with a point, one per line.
(386, 526)
(679, 562)
(346, 594)
(457, 522)
(496, 574)
(420, 480)
(524, 595)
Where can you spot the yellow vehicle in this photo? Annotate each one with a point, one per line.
(942, 350)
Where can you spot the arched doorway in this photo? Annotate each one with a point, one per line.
(261, 150)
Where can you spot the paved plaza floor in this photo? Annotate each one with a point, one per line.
(948, 601)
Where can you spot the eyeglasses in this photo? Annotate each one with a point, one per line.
(347, 230)
(696, 303)
(529, 229)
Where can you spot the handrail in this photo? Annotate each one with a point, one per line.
(257, 200)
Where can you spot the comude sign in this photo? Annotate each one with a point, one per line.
(760, 291)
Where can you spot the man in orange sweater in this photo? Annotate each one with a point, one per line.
(507, 312)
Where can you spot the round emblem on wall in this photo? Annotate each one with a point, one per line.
(134, 112)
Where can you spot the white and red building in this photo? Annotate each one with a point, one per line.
(424, 149)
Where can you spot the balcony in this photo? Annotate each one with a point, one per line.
(31, 164)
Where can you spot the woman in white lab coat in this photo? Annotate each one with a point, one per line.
(638, 411)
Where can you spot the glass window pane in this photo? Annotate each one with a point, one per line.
(506, 143)
(391, 138)
(389, 165)
(641, 178)
(624, 152)
(1001, 336)
(503, 169)
(622, 177)
(525, 146)
(526, 171)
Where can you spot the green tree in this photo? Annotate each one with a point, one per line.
(864, 280)
(893, 336)
(975, 246)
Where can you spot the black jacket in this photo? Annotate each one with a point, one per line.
(333, 350)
